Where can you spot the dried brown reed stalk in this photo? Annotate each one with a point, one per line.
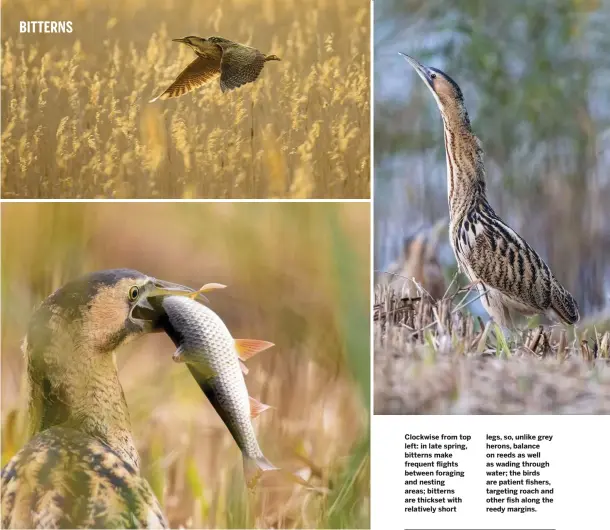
(435, 357)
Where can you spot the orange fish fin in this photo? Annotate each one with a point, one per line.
(256, 407)
(206, 288)
(243, 367)
(247, 348)
(255, 467)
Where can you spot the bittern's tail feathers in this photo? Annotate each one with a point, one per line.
(563, 304)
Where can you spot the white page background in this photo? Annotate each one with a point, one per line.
(579, 472)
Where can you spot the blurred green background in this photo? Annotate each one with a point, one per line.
(297, 275)
(536, 82)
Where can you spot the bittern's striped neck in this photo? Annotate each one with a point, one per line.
(465, 166)
(72, 386)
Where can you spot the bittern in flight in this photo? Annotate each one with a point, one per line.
(81, 467)
(236, 63)
(509, 274)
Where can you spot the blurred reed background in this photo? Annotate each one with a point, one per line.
(77, 122)
(297, 275)
(536, 82)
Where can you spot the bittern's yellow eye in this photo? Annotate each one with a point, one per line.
(134, 292)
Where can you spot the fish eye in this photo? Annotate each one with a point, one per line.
(134, 292)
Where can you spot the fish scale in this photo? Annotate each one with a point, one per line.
(205, 344)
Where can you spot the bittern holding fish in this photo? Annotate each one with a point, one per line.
(236, 63)
(215, 360)
(509, 274)
(81, 467)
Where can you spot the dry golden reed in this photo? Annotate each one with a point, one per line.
(76, 122)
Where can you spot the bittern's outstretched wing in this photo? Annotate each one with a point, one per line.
(205, 67)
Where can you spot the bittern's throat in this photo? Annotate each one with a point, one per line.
(465, 166)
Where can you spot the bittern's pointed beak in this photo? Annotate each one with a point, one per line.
(180, 40)
(423, 71)
(163, 288)
(148, 311)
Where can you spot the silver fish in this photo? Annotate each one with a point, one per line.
(214, 358)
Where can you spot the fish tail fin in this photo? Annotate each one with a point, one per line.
(255, 467)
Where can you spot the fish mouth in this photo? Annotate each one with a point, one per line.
(423, 71)
(148, 311)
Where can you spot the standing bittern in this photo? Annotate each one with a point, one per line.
(510, 275)
(81, 468)
(236, 63)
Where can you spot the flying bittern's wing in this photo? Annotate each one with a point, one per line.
(196, 74)
(65, 479)
(239, 65)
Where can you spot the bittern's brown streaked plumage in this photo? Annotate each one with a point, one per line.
(81, 467)
(236, 63)
(510, 275)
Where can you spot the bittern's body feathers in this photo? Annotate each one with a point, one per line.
(64, 478)
(511, 273)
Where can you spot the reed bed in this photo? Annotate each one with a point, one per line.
(434, 357)
(76, 122)
(297, 275)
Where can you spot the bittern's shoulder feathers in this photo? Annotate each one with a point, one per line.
(64, 478)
